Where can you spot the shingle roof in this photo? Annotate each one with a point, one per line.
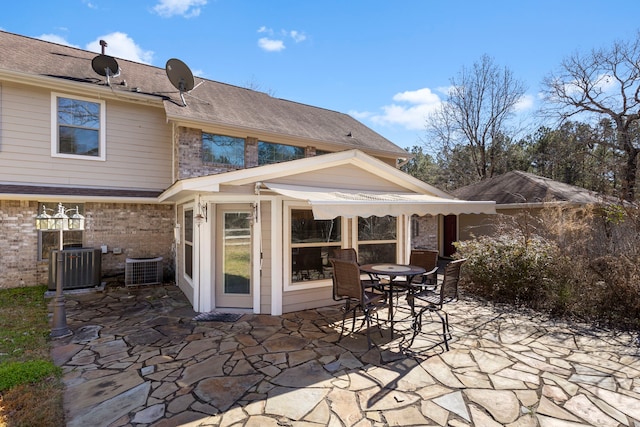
(210, 101)
(523, 187)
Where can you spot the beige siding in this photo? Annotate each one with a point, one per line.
(138, 145)
(345, 177)
(470, 225)
(265, 279)
(308, 298)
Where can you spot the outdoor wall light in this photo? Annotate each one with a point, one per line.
(201, 216)
(60, 222)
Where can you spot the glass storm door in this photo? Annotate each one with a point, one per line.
(233, 259)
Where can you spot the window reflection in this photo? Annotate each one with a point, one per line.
(377, 239)
(311, 242)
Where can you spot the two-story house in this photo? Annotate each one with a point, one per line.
(243, 195)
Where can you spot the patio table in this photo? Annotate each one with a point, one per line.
(393, 271)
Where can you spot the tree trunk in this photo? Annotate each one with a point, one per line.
(631, 166)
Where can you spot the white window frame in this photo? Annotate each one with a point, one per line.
(54, 128)
(191, 243)
(286, 251)
(356, 238)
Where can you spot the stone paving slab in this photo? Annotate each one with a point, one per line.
(138, 359)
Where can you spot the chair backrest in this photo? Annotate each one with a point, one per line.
(449, 286)
(424, 258)
(346, 279)
(345, 254)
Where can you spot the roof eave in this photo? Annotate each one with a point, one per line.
(56, 83)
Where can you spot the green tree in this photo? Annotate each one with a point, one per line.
(422, 166)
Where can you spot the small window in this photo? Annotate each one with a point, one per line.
(377, 239)
(188, 243)
(78, 129)
(276, 153)
(227, 150)
(312, 241)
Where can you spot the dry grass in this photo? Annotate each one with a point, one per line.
(24, 330)
(31, 405)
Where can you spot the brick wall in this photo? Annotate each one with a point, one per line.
(427, 232)
(139, 230)
(189, 156)
(18, 244)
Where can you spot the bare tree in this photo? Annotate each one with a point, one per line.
(604, 82)
(479, 104)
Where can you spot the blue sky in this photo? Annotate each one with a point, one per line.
(387, 63)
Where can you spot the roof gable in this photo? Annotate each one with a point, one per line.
(521, 187)
(210, 102)
(280, 172)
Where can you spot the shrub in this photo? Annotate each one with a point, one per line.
(510, 269)
(618, 289)
(582, 262)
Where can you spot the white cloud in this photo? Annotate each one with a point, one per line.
(122, 46)
(185, 8)
(297, 36)
(525, 103)
(271, 45)
(54, 38)
(276, 44)
(409, 110)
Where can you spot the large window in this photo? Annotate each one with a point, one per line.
(49, 240)
(311, 243)
(275, 153)
(377, 239)
(78, 128)
(188, 243)
(227, 150)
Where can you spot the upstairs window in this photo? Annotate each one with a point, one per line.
(221, 149)
(275, 153)
(78, 129)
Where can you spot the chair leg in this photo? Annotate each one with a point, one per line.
(378, 322)
(368, 319)
(416, 324)
(445, 327)
(344, 316)
(346, 309)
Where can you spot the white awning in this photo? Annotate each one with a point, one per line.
(328, 203)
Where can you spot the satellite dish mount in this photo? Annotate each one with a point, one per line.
(180, 77)
(105, 65)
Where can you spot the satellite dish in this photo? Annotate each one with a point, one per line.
(105, 65)
(180, 77)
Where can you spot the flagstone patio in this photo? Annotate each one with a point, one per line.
(137, 358)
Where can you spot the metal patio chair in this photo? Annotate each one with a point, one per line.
(433, 301)
(427, 259)
(351, 288)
